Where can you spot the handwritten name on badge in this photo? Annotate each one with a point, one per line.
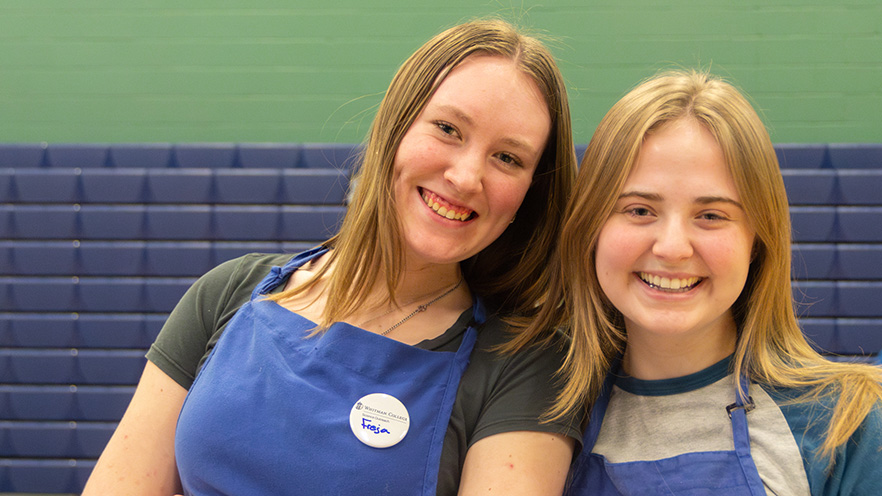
(379, 420)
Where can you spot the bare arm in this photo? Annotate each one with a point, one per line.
(140, 457)
(517, 463)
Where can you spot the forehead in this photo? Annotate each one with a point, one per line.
(490, 75)
(683, 153)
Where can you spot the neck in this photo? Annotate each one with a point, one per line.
(666, 357)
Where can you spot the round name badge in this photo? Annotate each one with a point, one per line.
(379, 420)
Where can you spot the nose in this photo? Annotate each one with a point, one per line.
(466, 172)
(673, 242)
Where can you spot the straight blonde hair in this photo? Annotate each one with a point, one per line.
(771, 348)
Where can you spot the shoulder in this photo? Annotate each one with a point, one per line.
(245, 271)
(200, 316)
(511, 391)
(855, 467)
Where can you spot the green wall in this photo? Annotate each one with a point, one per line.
(294, 71)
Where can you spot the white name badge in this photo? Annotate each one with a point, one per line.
(379, 420)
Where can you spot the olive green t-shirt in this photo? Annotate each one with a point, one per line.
(498, 393)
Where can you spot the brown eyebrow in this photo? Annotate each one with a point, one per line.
(704, 200)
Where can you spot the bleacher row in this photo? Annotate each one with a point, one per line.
(98, 242)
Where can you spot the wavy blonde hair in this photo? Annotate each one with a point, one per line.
(510, 274)
(771, 348)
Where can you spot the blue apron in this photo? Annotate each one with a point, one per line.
(269, 413)
(692, 474)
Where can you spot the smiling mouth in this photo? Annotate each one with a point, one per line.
(669, 285)
(445, 209)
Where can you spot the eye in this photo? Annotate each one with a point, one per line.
(509, 159)
(712, 216)
(638, 211)
(447, 128)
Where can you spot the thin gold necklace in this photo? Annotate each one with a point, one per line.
(421, 308)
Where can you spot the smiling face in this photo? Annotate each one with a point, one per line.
(462, 169)
(674, 254)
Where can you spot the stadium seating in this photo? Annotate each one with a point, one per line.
(99, 241)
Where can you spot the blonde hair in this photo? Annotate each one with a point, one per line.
(510, 274)
(771, 348)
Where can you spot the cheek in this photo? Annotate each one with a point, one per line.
(617, 250)
(613, 260)
(509, 194)
(731, 254)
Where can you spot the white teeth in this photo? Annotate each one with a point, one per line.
(443, 211)
(669, 284)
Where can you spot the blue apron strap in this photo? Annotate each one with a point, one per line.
(740, 433)
(598, 409)
(278, 274)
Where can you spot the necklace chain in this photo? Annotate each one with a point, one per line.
(421, 308)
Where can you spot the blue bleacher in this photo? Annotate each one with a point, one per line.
(99, 241)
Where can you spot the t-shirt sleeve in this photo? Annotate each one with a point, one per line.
(855, 469)
(200, 316)
(524, 386)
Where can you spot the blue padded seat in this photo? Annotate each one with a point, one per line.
(180, 186)
(111, 258)
(129, 294)
(314, 186)
(75, 403)
(38, 185)
(165, 259)
(141, 155)
(205, 155)
(247, 223)
(270, 155)
(45, 258)
(38, 294)
(113, 185)
(837, 224)
(187, 222)
(73, 366)
(846, 299)
(99, 294)
(802, 156)
(54, 439)
(224, 251)
(329, 155)
(22, 155)
(77, 155)
(855, 155)
(44, 476)
(810, 186)
(813, 224)
(860, 261)
(247, 186)
(90, 294)
(837, 261)
(844, 336)
(111, 222)
(813, 261)
(7, 192)
(310, 223)
(39, 221)
(161, 295)
(79, 330)
(860, 224)
(860, 187)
